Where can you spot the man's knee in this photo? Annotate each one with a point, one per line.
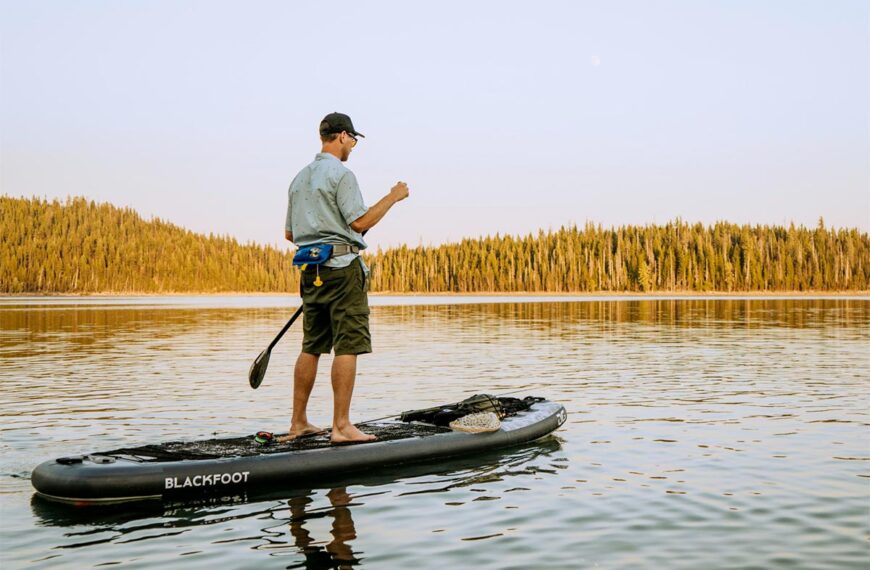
(308, 357)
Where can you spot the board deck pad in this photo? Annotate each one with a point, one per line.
(247, 446)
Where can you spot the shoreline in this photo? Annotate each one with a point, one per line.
(530, 295)
(615, 294)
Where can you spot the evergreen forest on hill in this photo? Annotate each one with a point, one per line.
(78, 246)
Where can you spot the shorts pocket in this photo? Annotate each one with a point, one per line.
(353, 334)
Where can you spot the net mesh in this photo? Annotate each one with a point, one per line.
(477, 423)
(415, 423)
(502, 407)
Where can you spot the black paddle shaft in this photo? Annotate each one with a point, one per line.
(286, 327)
(258, 368)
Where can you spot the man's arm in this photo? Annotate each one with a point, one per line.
(374, 214)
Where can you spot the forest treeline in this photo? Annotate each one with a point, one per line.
(78, 246)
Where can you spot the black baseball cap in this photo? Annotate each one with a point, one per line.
(337, 123)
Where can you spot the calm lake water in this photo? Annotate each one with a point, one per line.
(702, 433)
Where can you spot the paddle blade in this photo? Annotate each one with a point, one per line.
(258, 369)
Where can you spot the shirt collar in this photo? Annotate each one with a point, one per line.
(325, 156)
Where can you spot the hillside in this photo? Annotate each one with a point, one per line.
(78, 246)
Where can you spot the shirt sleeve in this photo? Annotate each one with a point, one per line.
(287, 224)
(349, 198)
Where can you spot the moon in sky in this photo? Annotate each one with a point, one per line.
(595, 60)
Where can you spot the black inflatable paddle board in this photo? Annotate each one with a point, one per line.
(230, 467)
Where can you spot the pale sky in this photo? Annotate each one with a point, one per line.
(503, 117)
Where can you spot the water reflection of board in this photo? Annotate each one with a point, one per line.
(228, 467)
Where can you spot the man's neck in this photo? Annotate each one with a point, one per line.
(329, 149)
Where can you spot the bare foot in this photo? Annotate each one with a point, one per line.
(349, 434)
(296, 431)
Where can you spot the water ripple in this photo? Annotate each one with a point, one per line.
(695, 426)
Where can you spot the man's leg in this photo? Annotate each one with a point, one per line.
(343, 379)
(303, 381)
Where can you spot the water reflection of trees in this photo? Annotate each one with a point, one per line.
(29, 331)
(22, 329)
(688, 313)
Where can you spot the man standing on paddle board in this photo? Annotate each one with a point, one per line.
(326, 207)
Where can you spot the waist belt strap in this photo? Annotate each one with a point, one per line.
(343, 249)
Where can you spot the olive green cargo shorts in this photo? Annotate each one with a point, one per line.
(336, 314)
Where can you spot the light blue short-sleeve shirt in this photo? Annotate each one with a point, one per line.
(323, 200)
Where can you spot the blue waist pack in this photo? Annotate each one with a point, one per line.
(313, 254)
